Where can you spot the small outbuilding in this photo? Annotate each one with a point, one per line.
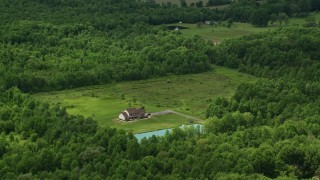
(207, 22)
(133, 113)
(210, 22)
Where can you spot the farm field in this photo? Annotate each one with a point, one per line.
(189, 94)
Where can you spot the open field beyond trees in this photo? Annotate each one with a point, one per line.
(189, 2)
(189, 94)
(178, 1)
(221, 32)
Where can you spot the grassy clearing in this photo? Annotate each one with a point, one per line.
(178, 1)
(221, 32)
(154, 123)
(189, 2)
(302, 20)
(190, 94)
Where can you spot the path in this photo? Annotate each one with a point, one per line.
(174, 112)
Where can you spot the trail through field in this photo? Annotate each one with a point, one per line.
(174, 112)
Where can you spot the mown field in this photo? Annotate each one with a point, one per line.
(220, 32)
(189, 94)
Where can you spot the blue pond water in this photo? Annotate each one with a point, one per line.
(161, 132)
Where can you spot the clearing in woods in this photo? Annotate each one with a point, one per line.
(188, 94)
(178, 1)
(220, 32)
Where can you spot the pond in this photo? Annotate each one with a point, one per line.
(161, 132)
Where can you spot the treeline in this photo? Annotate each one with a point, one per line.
(200, 3)
(259, 13)
(54, 45)
(108, 15)
(291, 53)
(40, 141)
(71, 45)
(277, 117)
(218, 2)
(103, 15)
(274, 124)
(267, 130)
(44, 57)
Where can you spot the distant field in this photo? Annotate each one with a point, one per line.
(190, 94)
(190, 2)
(220, 32)
(178, 1)
(301, 21)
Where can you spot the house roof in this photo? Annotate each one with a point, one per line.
(125, 115)
(135, 111)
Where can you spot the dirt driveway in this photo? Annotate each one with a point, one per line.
(174, 112)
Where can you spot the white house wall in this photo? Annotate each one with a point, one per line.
(121, 116)
(127, 112)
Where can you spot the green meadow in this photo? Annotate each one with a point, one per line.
(221, 32)
(189, 94)
(189, 2)
(178, 1)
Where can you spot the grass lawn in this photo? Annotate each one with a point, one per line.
(189, 94)
(162, 121)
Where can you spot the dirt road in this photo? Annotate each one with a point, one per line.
(174, 112)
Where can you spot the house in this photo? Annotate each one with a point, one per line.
(207, 22)
(210, 22)
(133, 113)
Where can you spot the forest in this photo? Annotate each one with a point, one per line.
(58, 52)
(269, 129)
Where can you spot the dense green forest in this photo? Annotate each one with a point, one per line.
(60, 46)
(259, 13)
(279, 115)
(52, 45)
(95, 43)
(290, 53)
(266, 130)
